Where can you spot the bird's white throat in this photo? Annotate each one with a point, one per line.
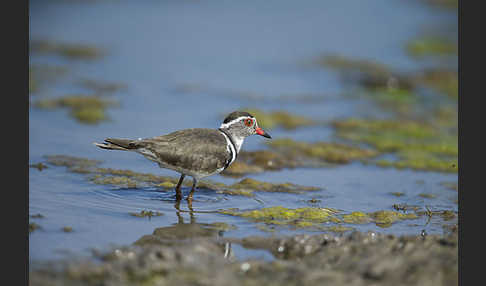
(238, 142)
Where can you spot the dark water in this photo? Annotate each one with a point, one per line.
(231, 49)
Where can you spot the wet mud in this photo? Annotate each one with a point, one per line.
(199, 254)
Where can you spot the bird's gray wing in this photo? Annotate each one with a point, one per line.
(190, 149)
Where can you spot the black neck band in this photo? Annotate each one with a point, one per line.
(231, 151)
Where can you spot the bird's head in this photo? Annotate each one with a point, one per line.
(242, 124)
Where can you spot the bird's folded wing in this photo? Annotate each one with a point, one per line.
(201, 149)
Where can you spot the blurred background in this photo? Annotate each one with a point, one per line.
(360, 98)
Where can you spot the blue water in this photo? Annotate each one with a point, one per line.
(234, 51)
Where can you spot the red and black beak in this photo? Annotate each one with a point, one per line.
(262, 132)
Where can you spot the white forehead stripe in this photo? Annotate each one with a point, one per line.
(226, 125)
(228, 146)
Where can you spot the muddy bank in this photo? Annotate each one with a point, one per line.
(202, 256)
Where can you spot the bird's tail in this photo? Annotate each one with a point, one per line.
(117, 144)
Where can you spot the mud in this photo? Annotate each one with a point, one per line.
(194, 254)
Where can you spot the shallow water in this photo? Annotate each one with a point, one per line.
(230, 49)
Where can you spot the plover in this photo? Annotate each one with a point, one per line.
(195, 152)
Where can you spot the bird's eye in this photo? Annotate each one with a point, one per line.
(248, 122)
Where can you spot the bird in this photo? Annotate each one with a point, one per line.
(195, 152)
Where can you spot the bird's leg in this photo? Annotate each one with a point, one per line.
(191, 194)
(178, 188)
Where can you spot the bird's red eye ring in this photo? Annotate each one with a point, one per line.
(248, 122)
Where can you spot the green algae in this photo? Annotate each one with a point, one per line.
(427, 196)
(131, 179)
(399, 100)
(314, 201)
(329, 152)
(240, 192)
(388, 87)
(253, 184)
(386, 218)
(431, 46)
(239, 168)
(38, 166)
(405, 207)
(270, 120)
(397, 131)
(423, 161)
(397, 194)
(278, 215)
(87, 109)
(356, 217)
(114, 180)
(417, 145)
(337, 229)
(313, 217)
(346, 64)
(270, 160)
(67, 50)
(444, 4)
(101, 87)
(450, 185)
(37, 216)
(89, 115)
(442, 80)
(383, 218)
(33, 83)
(251, 162)
(41, 74)
(33, 227)
(71, 162)
(144, 213)
(246, 187)
(446, 215)
(167, 185)
(394, 96)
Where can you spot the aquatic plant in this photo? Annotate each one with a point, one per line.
(88, 109)
(417, 145)
(431, 46)
(284, 119)
(68, 50)
(327, 151)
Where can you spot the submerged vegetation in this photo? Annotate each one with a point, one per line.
(431, 46)
(38, 166)
(417, 145)
(67, 50)
(278, 215)
(131, 179)
(284, 119)
(101, 87)
(315, 217)
(329, 152)
(144, 213)
(33, 226)
(87, 109)
(41, 74)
